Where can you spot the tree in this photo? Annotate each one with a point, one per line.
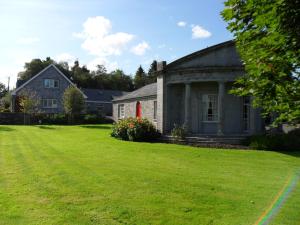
(33, 67)
(140, 78)
(151, 72)
(5, 102)
(3, 90)
(120, 81)
(28, 103)
(267, 34)
(73, 101)
(100, 77)
(81, 76)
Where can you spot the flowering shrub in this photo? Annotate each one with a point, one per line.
(178, 132)
(134, 129)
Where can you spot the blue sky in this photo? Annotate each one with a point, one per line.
(117, 33)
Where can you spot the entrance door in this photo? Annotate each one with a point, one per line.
(138, 110)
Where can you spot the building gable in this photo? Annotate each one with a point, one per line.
(50, 72)
(217, 56)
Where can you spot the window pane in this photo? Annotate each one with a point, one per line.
(56, 83)
(54, 103)
(210, 107)
(46, 83)
(121, 112)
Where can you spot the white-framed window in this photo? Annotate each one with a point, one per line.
(154, 110)
(51, 83)
(246, 113)
(121, 111)
(49, 103)
(210, 107)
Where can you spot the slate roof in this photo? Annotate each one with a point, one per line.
(148, 90)
(101, 94)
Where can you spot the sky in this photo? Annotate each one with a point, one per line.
(115, 33)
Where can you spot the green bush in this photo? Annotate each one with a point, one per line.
(178, 132)
(278, 142)
(135, 129)
(55, 119)
(62, 119)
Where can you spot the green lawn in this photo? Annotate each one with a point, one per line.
(80, 175)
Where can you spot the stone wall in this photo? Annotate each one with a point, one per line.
(130, 108)
(11, 118)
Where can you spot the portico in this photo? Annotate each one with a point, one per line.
(198, 105)
(194, 91)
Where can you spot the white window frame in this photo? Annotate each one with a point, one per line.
(210, 103)
(51, 83)
(49, 103)
(155, 110)
(121, 111)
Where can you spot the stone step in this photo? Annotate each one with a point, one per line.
(207, 139)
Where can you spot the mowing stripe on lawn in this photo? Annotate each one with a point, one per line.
(279, 200)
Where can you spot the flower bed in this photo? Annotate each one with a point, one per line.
(135, 129)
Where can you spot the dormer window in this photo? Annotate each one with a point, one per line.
(51, 83)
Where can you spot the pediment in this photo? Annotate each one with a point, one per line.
(221, 55)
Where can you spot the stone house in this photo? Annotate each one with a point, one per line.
(194, 90)
(139, 103)
(49, 86)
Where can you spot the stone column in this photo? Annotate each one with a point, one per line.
(187, 105)
(221, 94)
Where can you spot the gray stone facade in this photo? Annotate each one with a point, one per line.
(36, 85)
(194, 90)
(146, 97)
(147, 105)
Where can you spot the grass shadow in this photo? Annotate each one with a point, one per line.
(6, 128)
(46, 127)
(295, 153)
(100, 127)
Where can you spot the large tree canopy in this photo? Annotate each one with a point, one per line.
(267, 34)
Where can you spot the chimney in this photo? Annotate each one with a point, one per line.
(161, 66)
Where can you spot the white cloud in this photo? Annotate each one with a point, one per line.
(141, 48)
(110, 66)
(98, 39)
(181, 24)
(200, 32)
(28, 40)
(65, 57)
